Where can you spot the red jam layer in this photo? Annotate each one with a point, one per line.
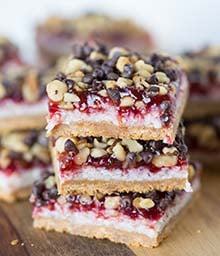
(162, 201)
(67, 164)
(18, 166)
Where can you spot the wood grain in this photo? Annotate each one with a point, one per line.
(197, 234)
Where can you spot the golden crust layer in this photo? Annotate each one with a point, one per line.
(91, 187)
(18, 194)
(22, 122)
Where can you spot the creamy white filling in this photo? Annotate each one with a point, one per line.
(109, 115)
(20, 179)
(12, 109)
(121, 222)
(134, 174)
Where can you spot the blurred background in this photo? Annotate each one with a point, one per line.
(176, 25)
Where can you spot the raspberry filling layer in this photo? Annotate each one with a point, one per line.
(78, 153)
(97, 81)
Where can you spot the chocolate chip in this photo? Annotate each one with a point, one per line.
(112, 76)
(165, 118)
(70, 198)
(31, 138)
(106, 68)
(96, 85)
(38, 188)
(114, 94)
(69, 146)
(81, 51)
(130, 161)
(165, 105)
(15, 155)
(153, 90)
(171, 73)
(128, 71)
(53, 193)
(146, 156)
(98, 74)
(60, 76)
(153, 79)
(114, 59)
(125, 202)
(87, 79)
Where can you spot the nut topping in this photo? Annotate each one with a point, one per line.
(119, 152)
(127, 101)
(132, 145)
(145, 203)
(164, 160)
(112, 202)
(56, 90)
(98, 152)
(122, 61)
(82, 156)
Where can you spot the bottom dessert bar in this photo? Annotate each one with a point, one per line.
(132, 218)
(24, 156)
(203, 139)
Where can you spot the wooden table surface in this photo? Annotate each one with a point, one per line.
(197, 234)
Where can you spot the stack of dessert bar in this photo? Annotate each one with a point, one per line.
(23, 147)
(117, 146)
(56, 35)
(203, 111)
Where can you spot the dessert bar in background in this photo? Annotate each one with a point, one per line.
(56, 36)
(202, 113)
(203, 71)
(117, 93)
(24, 153)
(131, 218)
(24, 156)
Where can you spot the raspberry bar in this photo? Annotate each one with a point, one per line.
(203, 71)
(203, 138)
(24, 156)
(117, 93)
(56, 35)
(131, 218)
(91, 164)
(9, 54)
(23, 102)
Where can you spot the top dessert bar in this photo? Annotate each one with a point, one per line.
(203, 70)
(23, 103)
(117, 93)
(56, 35)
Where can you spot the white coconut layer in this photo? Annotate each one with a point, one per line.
(19, 179)
(131, 175)
(122, 222)
(12, 109)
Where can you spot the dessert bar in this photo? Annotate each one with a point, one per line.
(203, 71)
(23, 99)
(91, 164)
(24, 155)
(56, 35)
(203, 138)
(131, 218)
(117, 93)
